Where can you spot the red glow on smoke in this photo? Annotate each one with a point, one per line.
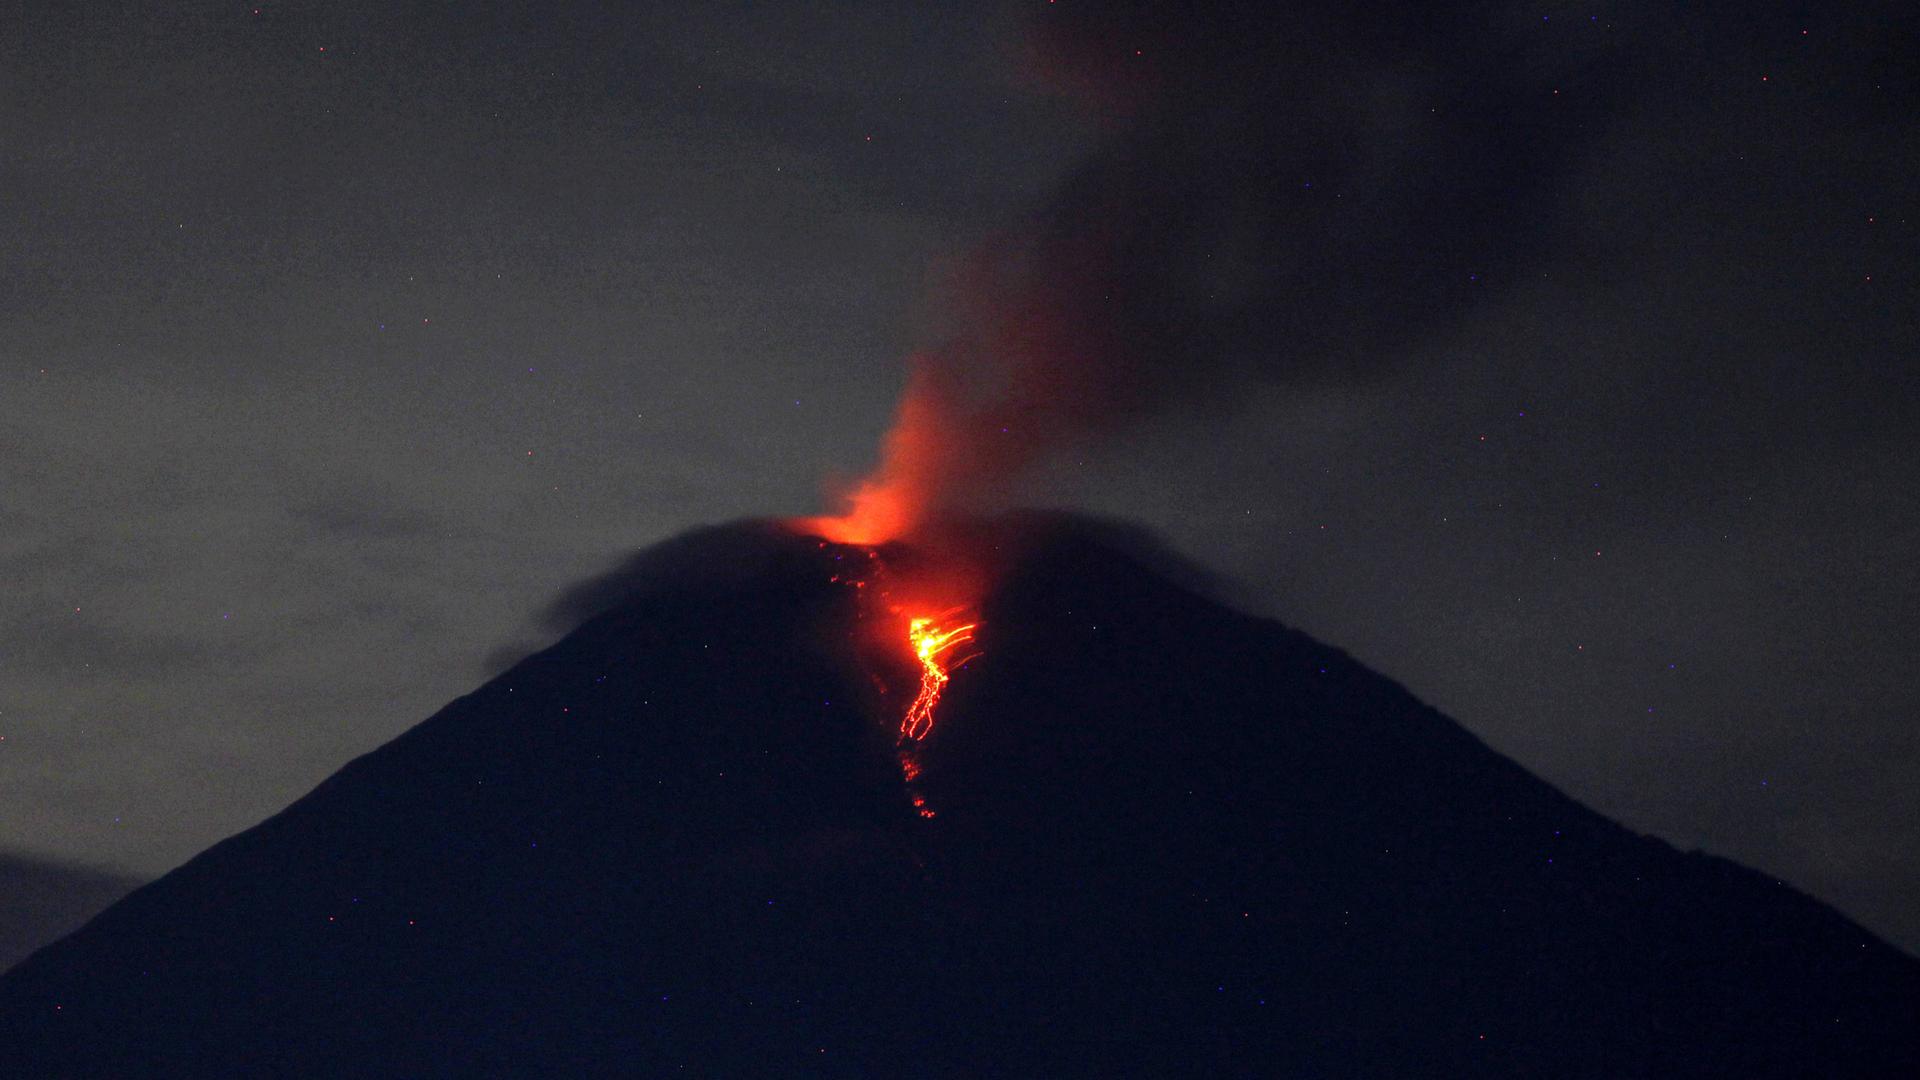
(894, 501)
(1031, 367)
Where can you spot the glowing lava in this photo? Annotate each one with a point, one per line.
(931, 645)
(893, 589)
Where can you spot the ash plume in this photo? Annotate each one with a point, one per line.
(1285, 199)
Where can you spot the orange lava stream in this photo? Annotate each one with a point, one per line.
(931, 645)
(932, 639)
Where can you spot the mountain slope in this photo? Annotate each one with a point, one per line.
(41, 900)
(1171, 840)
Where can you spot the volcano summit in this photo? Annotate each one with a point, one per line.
(1170, 839)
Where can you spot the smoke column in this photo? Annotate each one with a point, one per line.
(1292, 199)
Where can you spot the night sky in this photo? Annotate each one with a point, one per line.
(1556, 360)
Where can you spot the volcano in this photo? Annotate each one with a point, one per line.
(1171, 839)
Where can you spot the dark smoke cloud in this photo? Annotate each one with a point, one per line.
(710, 559)
(1287, 195)
(1300, 193)
(707, 559)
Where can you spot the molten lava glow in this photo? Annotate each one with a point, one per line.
(889, 592)
(931, 644)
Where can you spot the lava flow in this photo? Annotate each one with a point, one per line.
(890, 600)
(934, 455)
(906, 598)
(931, 644)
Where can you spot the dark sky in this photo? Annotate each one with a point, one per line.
(1556, 360)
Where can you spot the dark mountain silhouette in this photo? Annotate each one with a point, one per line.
(1172, 840)
(41, 900)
